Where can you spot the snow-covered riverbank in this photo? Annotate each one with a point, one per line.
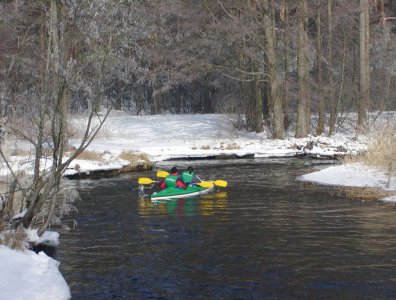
(163, 137)
(27, 275)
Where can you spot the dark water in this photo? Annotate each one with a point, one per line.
(266, 236)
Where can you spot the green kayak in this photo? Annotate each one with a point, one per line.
(171, 192)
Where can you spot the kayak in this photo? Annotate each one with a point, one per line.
(172, 193)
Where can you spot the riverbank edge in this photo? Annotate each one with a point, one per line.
(149, 165)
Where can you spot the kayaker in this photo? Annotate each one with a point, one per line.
(188, 176)
(172, 180)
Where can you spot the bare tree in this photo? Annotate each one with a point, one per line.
(46, 110)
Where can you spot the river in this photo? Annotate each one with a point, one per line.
(265, 236)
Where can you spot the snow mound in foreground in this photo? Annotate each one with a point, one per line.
(27, 275)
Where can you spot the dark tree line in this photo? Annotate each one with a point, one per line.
(274, 62)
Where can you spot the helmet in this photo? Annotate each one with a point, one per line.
(173, 170)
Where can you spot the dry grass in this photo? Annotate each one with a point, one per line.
(233, 146)
(382, 147)
(362, 193)
(90, 155)
(381, 151)
(133, 157)
(205, 147)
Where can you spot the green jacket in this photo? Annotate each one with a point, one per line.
(187, 177)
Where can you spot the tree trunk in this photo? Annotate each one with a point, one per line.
(332, 105)
(364, 72)
(321, 106)
(285, 97)
(258, 107)
(303, 71)
(156, 109)
(272, 73)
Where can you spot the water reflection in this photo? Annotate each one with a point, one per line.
(206, 205)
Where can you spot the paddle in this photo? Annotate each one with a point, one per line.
(162, 174)
(145, 180)
(205, 184)
(219, 182)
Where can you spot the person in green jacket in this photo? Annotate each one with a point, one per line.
(172, 180)
(189, 178)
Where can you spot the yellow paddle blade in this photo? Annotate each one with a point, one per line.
(144, 180)
(205, 184)
(162, 174)
(221, 183)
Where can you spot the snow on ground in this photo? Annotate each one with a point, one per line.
(164, 137)
(168, 136)
(27, 275)
(354, 175)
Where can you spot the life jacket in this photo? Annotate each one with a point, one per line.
(187, 177)
(170, 180)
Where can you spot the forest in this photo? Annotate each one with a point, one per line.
(273, 64)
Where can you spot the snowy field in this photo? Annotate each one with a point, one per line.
(177, 136)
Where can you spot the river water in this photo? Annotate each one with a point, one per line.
(266, 236)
